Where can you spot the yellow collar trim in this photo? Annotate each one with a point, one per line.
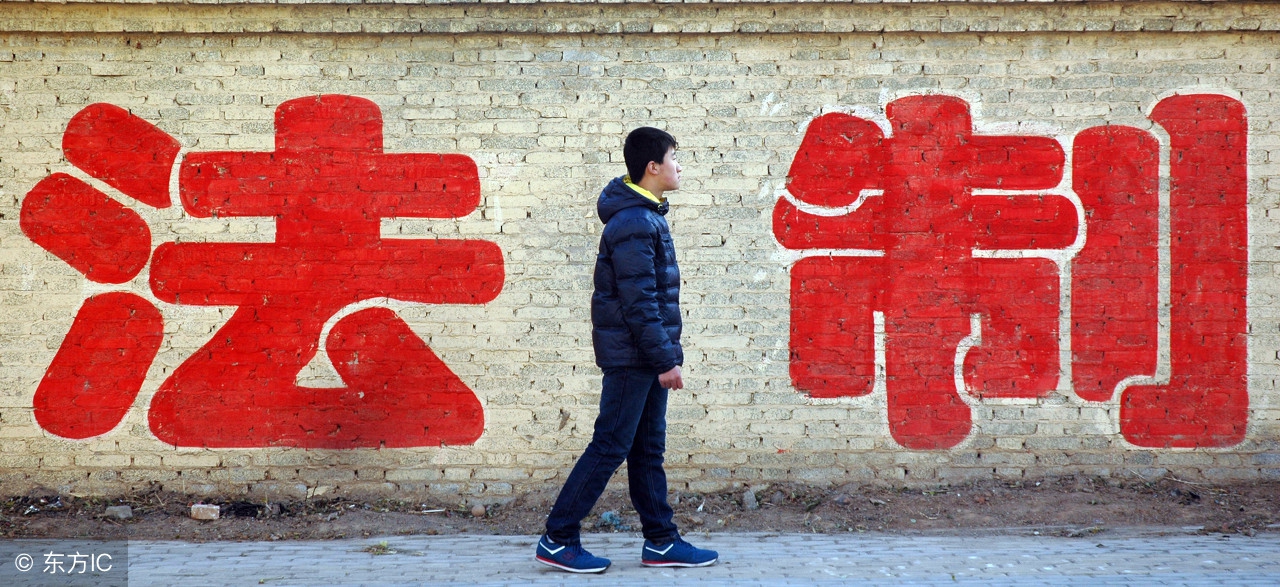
(639, 190)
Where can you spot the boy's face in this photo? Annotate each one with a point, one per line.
(667, 174)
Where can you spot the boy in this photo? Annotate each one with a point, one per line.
(635, 331)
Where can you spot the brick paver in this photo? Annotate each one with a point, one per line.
(1114, 557)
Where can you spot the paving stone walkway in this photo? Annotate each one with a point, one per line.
(1114, 557)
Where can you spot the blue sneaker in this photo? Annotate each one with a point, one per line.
(574, 559)
(677, 554)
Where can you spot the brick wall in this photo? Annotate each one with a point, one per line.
(156, 330)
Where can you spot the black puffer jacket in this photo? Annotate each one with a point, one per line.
(635, 311)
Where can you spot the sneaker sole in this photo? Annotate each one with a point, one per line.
(556, 565)
(673, 564)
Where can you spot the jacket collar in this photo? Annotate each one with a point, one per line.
(643, 192)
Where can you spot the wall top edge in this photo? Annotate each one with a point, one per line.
(608, 2)
(415, 17)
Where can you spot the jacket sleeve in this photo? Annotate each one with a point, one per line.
(633, 263)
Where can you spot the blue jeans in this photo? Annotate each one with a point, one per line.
(632, 426)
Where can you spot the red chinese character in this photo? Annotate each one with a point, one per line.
(919, 266)
(328, 185)
(919, 242)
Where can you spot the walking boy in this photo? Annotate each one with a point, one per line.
(635, 330)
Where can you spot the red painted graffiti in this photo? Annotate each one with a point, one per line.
(926, 280)
(923, 248)
(96, 235)
(328, 185)
(1204, 399)
(100, 366)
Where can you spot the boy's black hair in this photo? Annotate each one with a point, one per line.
(643, 145)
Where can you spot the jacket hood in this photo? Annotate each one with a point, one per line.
(616, 197)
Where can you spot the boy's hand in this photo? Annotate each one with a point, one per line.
(671, 379)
